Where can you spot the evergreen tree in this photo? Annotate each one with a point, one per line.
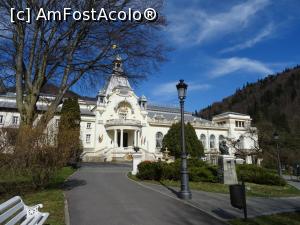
(172, 141)
(69, 129)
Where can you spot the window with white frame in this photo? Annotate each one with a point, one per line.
(221, 139)
(239, 123)
(1, 119)
(88, 125)
(203, 140)
(15, 120)
(88, 138)
(212, 141)
(57, 122)
(159, 139)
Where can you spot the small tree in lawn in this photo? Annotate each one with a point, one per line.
(172, 141)
(69, 130)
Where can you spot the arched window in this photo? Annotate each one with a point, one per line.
(203, 140)
(221, 139)
(212, 141)
(124, 110)
(241, 142)
(159, 139)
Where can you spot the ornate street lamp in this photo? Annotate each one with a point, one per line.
(276, 139)
(185, 192)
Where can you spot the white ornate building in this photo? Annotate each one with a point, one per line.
(117, 120)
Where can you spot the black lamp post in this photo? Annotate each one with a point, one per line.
(185, 192)
(276, 139)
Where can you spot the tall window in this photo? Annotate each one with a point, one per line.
(159, 138)
(240, 144)
(221, 139)
(88, 138)
(57, 123)
(203, 140)
(212, 141)
(1, 119)
(15, 120)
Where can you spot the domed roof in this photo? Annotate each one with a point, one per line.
(143, 98)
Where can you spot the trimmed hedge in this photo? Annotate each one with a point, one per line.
(201, 171)
(258, 175)
(198, 171)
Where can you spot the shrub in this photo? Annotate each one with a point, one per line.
(201, 174)
(149, 170)
(198, 171)
(31, 154)
(171, 171)
(258, 175)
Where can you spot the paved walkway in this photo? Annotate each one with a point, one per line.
(292, 180)
(102, 194)
(218, 205)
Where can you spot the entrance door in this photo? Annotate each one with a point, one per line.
(125, 139)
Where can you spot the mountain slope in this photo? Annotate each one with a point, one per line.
(274, 100)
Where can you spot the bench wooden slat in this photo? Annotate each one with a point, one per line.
(17, 212)
(11, 212)
(45, 216)
(10, 202)
(17, 218)
(36, 219)
(28, 219)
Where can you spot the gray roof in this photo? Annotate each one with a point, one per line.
(172, 116)
(158, 108)
(233, 113)
(13, 105)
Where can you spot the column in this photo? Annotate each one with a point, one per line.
(115, 138)
(121, 141)
(134, 139)
(138, 138)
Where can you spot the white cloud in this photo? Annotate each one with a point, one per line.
(262, 35)
(195, 26)
(230, 65)
(169, 88)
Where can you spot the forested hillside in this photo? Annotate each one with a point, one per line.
(274, 104)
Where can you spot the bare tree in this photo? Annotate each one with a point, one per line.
(66, 52)
(251, 134)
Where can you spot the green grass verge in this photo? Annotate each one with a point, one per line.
(52, 197)
(276, 219)
(256, 190)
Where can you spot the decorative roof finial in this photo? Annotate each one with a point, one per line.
(118, 65)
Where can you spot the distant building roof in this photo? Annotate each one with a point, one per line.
(230, 113)
(49, 90)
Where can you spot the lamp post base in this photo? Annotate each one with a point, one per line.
(185, 195)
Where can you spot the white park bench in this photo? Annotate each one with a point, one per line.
(14, 211)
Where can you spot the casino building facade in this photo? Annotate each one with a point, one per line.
(117, 120)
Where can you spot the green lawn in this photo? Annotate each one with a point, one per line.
(52, 197)
(276, 219)
(252, 189)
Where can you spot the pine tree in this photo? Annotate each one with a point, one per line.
(172, 141)
(69, 129)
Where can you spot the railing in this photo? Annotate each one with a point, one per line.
(127, 122)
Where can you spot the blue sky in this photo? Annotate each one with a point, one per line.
(221, 45)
